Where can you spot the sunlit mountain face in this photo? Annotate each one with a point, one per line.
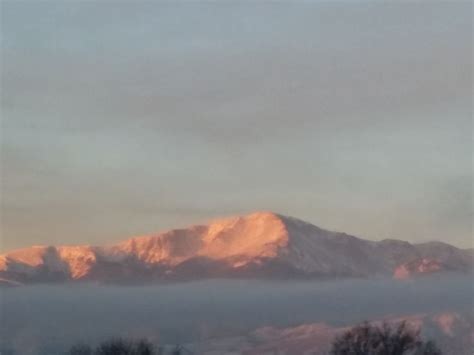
(262, 283)
(262, 245)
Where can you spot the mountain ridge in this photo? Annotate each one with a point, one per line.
(261, 244)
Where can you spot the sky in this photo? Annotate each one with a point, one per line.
(126, 118)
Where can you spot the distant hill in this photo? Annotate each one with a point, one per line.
(453, 333)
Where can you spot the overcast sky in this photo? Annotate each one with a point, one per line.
(127, 118)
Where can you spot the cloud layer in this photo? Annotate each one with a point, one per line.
(137, 117)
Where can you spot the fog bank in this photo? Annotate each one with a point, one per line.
(41, 319)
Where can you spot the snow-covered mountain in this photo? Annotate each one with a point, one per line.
(262, 244)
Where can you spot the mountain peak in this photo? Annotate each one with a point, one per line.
(266, 217)
(257, 234)
(259, 244)
(238, 238)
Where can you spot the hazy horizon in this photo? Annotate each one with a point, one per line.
(142, 116)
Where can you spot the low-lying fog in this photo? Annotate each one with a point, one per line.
(38, 319)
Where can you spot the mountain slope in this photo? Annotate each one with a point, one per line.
(261, 244)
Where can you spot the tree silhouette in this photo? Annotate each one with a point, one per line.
(368, 339)
(115, 347)
(143, 347)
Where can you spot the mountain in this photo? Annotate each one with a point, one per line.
(262, 244)
(453, 332)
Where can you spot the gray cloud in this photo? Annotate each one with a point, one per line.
(132, 118)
